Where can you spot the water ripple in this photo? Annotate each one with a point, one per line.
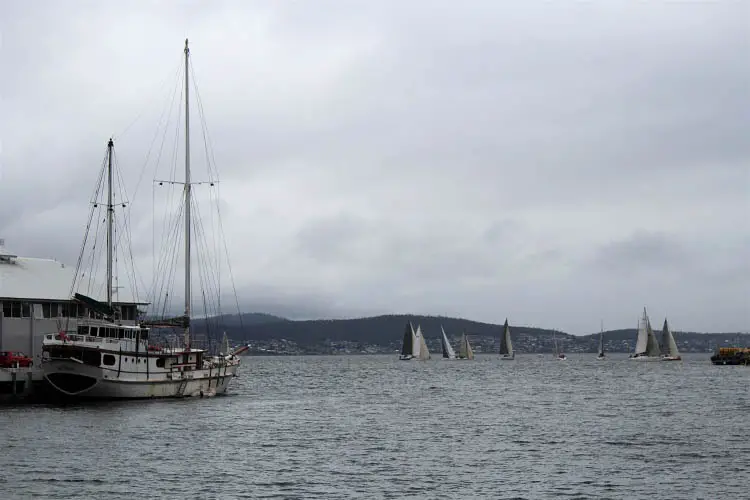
(374, 427)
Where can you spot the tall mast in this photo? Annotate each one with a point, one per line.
(187, 196)
(110, 222)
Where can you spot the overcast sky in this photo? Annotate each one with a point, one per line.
(556, 163)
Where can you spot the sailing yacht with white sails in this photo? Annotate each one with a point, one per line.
(464, 350)
(106, 359)
(413, 345)
(646, 345)
(506, 346)
(668, 344)
(448, 351)
(424, 353)
(601, 356)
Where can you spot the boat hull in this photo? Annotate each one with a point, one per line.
(72, 379)
(507, 357)
(645, 359)
(601, 358)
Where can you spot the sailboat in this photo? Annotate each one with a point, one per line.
(506, 346)
(668, 345)
(448, 351)
(423, 354)
(646, 345)
(558, 353)
(407, 344)
(464, 350)
(601, 355)
(106, 359)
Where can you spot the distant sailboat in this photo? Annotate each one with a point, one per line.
(646, 345)
(506, 346)
(423, 354)
(407, 345)
(448, 351)
(668, 345)
(464, 350)
(601, 354)
(558, 353)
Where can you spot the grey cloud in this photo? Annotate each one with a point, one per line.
(531, 160)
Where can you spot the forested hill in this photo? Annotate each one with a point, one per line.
(387, 330)
(372, 330)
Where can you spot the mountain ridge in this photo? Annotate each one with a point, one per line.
(387, 329)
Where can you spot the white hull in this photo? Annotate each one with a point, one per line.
(506, 357)
(85, 381)
(601, 358)
(645, 358)
(671, 358)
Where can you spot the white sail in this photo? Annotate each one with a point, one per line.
(415, 344)
(506, 346)
(652, 346)
(641, 343)
(465, 350)
(448, 351)
(424, 353)
(668, 343)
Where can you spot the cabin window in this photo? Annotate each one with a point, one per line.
(94, 331)
(120, 333)
(50, 310)
(160, 362)
(83, 330)
(128, 313)
(108, 360)
(16, 310)
(144, 334)
(68, 310)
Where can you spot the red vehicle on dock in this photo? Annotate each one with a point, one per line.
(10, 359)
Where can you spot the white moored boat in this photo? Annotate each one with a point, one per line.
(105, 359)
(111, 361)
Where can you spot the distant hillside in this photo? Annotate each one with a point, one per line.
(374, 330)
(387, 330)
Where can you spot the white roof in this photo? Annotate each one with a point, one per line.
(44, 279)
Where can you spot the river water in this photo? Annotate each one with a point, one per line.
(375, 427)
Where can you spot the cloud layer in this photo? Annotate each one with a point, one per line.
(556, 164)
